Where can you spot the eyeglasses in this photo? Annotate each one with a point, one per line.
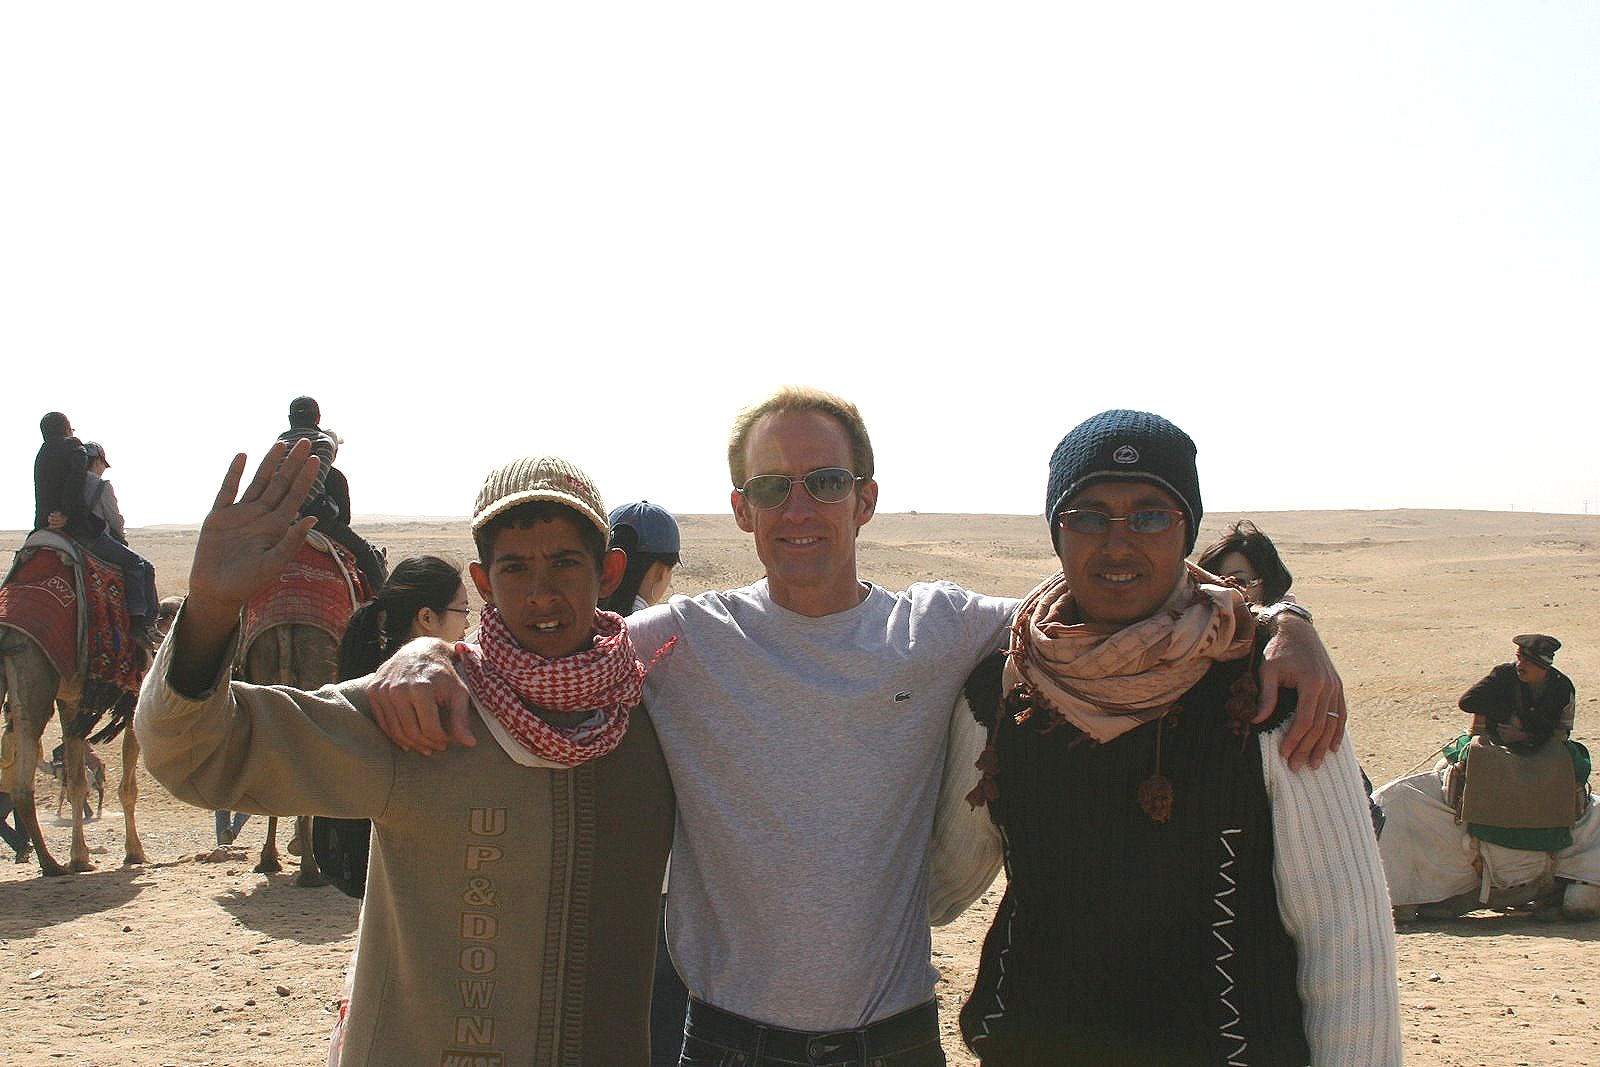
(1143, 521)
(1245, 583)
(464, 611)
(827, 485)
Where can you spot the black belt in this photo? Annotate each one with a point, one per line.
(909, 1029)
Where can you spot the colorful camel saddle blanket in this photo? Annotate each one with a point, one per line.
(1523, 800)
(70, 602)
(320, 587)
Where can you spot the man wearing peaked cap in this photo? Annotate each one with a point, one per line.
(1526, 702)
(515, 880)
(1498, 819)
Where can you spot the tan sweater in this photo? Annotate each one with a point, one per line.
(510, 915)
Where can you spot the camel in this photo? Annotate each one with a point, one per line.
(35, 691)
(291, 633)
(1437, 870)
(306, 657)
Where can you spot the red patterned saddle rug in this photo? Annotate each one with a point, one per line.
(73, 605)
(320, 587)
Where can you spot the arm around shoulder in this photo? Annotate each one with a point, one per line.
(272, 750)
(1335, 904)
(967, 850)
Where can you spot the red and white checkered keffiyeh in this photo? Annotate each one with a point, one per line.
(505, 678)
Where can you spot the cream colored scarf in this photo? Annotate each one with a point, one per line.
(1107, 684)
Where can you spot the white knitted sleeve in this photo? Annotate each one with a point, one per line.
(966, 851)
(1335, 905)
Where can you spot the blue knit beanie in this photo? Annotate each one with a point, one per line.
(1125, 446)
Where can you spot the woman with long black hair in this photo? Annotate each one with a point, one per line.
(423, 597)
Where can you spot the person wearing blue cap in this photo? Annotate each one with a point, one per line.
(1175, 893)
(649, 535)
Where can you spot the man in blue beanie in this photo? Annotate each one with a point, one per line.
(1175, 893)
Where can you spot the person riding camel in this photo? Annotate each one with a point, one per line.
(323, 502)
(67, 499)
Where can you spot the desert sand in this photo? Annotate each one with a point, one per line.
(195, 960)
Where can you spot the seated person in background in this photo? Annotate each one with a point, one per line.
(1522, 704)
(332, 519)
(1504, 819)
(1175, 894)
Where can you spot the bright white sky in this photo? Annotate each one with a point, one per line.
(1353, 249)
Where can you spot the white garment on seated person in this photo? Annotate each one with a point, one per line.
(1428, 856)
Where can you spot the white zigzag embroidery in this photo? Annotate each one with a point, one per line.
(982, 1033)
(1219, 929)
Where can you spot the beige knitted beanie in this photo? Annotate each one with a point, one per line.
(540, 478)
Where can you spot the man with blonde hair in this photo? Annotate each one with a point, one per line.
(804, 719)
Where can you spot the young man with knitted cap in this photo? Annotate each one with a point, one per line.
(510, 914)
(805, 719)
(1175, 893)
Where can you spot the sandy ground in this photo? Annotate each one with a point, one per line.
(196, 960)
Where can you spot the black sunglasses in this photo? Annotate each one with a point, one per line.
(827, 485)
(1143, 521)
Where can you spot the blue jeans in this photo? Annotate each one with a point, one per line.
(13, 836)
(230, 829)
(669, 1002)
(715, 1038)
(138, 575)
